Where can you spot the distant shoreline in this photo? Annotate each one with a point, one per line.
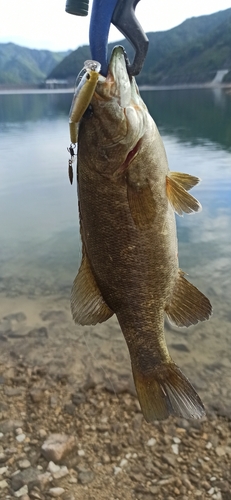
(70, 90)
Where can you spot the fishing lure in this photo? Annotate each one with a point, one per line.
(83, 95)
(70, 161)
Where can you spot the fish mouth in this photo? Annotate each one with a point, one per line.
(117, 85)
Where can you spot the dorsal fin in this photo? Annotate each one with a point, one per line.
(179, 198)
(87, 304)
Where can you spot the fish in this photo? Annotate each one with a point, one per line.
(127, 199)
(82, 96)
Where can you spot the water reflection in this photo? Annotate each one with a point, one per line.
(193, 115)
(31, 107)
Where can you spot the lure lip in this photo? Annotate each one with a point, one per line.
(92, 65)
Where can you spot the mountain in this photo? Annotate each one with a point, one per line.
(20, 65)
(195, 50)
(198, 61)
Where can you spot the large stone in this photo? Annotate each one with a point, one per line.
(27, 477)
(20, 316)
(38, 332)
(57, 316)
(10, 425)
(57, 446)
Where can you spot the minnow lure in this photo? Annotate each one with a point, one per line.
(82, 96)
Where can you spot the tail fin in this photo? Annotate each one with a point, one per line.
(166, 391)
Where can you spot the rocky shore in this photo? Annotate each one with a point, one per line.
(71, 426)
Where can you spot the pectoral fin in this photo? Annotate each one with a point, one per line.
(87, 304)
(141, 203)
(188, 304)
(178, 196)
(185, 180)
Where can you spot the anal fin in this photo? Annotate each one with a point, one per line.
(141, 203)
(188, 305)
(87, 304)
(179, 198)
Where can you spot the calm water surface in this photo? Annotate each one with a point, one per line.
(40, 248)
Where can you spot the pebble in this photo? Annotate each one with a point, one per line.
(37, 395)
(208, 445)
(3, 470)
(57, 446)
(56, 492)
(81, 453)
(117, 470)
(61, 473)
(73, 480)
(211, 491)
(220, 451)
(21, 492)
(52, 467)
(20, 438)
(123, 462)
(3, 458)
(175, 449)
(169, 459)
(24, 464)
(44, 479)
(3, 484)
(176, 440)
(1, 435)
(86, 476)
(42, 433)
(151, 442)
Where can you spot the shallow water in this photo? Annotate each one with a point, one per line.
(40, 247)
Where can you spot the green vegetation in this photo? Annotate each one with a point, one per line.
(20, 65)
(191, 52)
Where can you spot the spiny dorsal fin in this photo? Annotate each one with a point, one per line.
(87, 304)
(180, 199)
(185, 180)
(188, 304)
(141, 203)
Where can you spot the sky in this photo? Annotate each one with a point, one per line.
(44, 24)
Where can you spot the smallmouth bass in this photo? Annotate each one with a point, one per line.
(127, 199)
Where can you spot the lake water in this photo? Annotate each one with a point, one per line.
(40, 247)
